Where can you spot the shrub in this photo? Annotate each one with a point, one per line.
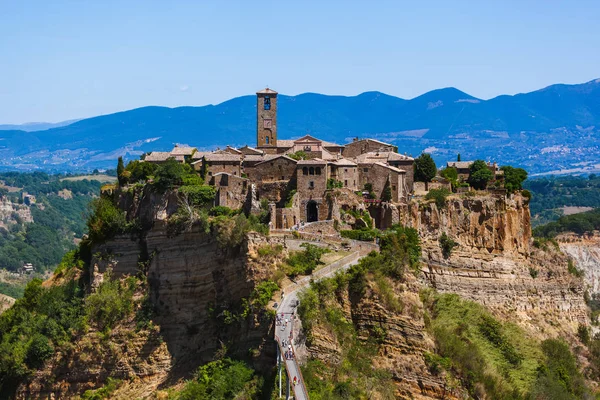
(222, 379)
(290, 198)
(573, 269)
(368, 187)
(112, 301)
(140, 171)
(533, 272)
(105, 220)
(172, 173)
(222, 210)
(439, 195)
(305, 262)
(447, 244)
(199, 195)
(263, 293)
(105, 392)
(333, 184)
(583, 333)
(268, 250)
(365, 235)
(526, 193)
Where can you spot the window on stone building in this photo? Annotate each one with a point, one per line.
(267, 105)
(267, 140)
(318, 170)
(307, 148)
(345, 169)
(283, 178)
(304, 171)
(311, 171)
(345, 182)
(394, 187)
(311, 185)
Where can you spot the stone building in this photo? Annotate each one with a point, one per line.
(362, 146)
(346, 172)
(396, 160)
(311, 184)
(279, 168)
(214, 163)
(232, 190)
(379, 175)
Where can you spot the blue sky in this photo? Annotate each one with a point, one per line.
(70, 59)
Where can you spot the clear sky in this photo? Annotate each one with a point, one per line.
(63, 59)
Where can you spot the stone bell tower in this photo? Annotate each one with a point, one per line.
(266, 120)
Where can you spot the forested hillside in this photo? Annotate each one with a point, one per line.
(551, 194)
(40, 229)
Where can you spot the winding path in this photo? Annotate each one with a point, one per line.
(286, 312)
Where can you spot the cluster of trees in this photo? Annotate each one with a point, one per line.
(479, 174)
(581, 223)
(306, 261)
(550, 194)
(40, 183)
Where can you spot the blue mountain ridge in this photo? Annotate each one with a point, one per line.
(446, 120)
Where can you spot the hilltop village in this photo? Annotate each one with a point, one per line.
(296, 176)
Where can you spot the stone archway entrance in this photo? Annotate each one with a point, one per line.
(312, 211)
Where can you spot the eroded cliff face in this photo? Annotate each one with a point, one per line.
(585, 252)
(494, 264)
(192, 280)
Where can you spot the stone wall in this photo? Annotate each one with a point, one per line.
(278, 169)
(232, 190)
(233, 168)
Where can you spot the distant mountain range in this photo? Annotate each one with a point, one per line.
(552, 129)
(36, 126)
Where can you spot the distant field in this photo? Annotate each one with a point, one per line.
(100, 178)
(575, 210)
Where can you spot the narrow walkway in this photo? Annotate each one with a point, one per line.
(286, 316)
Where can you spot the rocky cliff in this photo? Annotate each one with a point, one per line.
(494, 263)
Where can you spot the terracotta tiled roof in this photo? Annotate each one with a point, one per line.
(314, 161)
(225, 157)
(390, 168)
(382, 156)
(251, 150)
(157, 156)
(269, 159)
(228, 174)
(183, 151)
(344, 162)
(285, 143)
(459, 164)
(266, 91)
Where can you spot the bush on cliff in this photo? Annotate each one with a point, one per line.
(439, 196)
(45, 318)
(306, 261)
(105, 220)
(110, 303)
(222, 379)
(173, 173)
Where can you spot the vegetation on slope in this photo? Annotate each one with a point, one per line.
(497, 360)
(581, 223)
(57, 221)
(354, 376)
(551, 194)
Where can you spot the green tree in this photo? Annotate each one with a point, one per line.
(458, 157)
(425, 168)
(513, 178)
(479, 175)
(120, 170)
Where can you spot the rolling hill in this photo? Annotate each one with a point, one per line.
(554, 128)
